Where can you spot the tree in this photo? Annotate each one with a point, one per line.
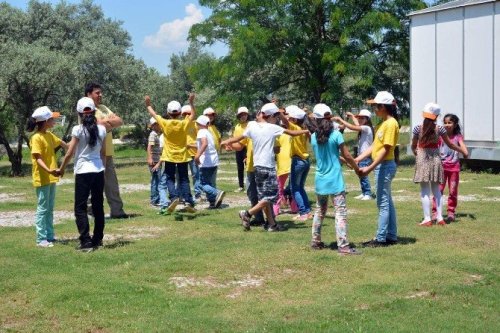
(339, 52)
(50, 53)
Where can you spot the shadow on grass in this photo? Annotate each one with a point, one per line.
(129, 216)
(294, 224)
(466, 215)
(113, 244)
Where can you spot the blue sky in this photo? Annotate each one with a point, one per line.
(158, 28)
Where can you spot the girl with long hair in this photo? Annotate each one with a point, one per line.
(329, 181)
(87, 145)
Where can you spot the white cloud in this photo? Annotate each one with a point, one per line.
(172, 36)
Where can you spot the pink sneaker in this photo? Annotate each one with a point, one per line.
(425, 224)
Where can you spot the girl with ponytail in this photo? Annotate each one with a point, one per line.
(87, 145)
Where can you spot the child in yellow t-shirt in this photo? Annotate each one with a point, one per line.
(43, 145)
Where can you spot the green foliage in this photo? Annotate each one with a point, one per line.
(338, 52)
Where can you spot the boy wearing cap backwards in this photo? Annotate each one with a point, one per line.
(153, 159)
(191, 142)
(208, 160)
(43, 145)
(88, 146)
(175, 155)
(109, 120)
(241, 155)
(263, 136)
(428, 166)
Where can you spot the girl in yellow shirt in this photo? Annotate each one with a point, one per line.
(43, 145)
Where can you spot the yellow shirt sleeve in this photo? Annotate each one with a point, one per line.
(299, 143)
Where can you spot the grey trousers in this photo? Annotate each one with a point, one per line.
(111, 189)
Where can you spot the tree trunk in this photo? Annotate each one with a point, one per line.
(15, 156)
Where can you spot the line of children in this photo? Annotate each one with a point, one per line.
(428, 166)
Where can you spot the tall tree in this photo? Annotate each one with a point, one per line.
(339, 52)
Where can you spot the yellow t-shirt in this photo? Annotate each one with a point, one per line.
(216, 134)
(45, 145)
(102, 112)
(192, 131)
(249, 156)
(386, 134)
(174, 139)
(299, 143)
(283, 159)
(238, 131)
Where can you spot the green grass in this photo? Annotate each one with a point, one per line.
(438, 279)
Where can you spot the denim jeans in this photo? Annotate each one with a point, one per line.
(155, 184)
(195, 174)
(44, 218)
(387, 225)
(365, 181)
(162, 188)
(206, 175)
(298, 176)
(182, 168)
(89, 184)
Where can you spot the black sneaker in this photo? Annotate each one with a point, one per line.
(374, 243)
(317, 245)
(97, 244)
(86, 247)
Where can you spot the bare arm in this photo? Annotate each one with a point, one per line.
(364, 155)
(414, 142)
(453, 146)
(191, 103)
(232, 140)
(348, 157)
(151, 111)
(201, 150)
(464, 147)
(150, 155)
(378, 159)
(41, 163)
(69, 154)
(296, 132)
(347, 124)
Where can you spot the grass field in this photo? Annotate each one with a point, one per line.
(206, 275)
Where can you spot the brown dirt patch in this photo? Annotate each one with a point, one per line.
(26, 218)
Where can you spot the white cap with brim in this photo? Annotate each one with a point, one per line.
(208, 111)
(431, 111)
(203, 120)
(364, 113)
(269, 109)
(242, 109)
(186, 109)
(173, 107)
(295, 112)
(321, 111)
(85, 103)
(43, 113)
(383, 97)
(152, 121)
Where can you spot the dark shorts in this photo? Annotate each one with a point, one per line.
(267, 184)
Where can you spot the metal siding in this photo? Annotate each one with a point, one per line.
(496, 87)
(478, 75)
(423, 64)
(449, 61)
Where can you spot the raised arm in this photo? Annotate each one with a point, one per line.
(151, 111)
(347, 124)
(191, 103)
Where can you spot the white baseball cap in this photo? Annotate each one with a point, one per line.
(295, 112)
(364, 113)
(203, 120)
(208, 111)
(43, 113)
(84, 103)
(242, 109)
(152, 121)
(321, 110)
(186, 109)
(383, 97)
(269, 109)
(431, 111)
(173, 107)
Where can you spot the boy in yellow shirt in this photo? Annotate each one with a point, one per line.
(174, 155)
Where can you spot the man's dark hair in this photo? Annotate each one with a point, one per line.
(90, 87)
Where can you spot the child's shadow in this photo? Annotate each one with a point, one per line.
(466, 215)
(294, 224)
(112, 244)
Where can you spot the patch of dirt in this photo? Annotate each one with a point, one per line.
(133, 233)
(64, 181)
(491, 187)
(27, 218)
(473, 279)
(237, 286)
(10, 197)
(129, 188)
(421, 294)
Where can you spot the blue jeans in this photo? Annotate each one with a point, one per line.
(298, 175)
(195, 174)
(155, 184)
(44, 218)
(162, 187)
(365, 181)
(207, 186)
(171, 168)
(387, 226)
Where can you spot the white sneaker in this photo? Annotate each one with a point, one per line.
(45, 243)
(366, 197)
(359, 196)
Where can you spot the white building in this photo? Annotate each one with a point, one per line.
(455, 62)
